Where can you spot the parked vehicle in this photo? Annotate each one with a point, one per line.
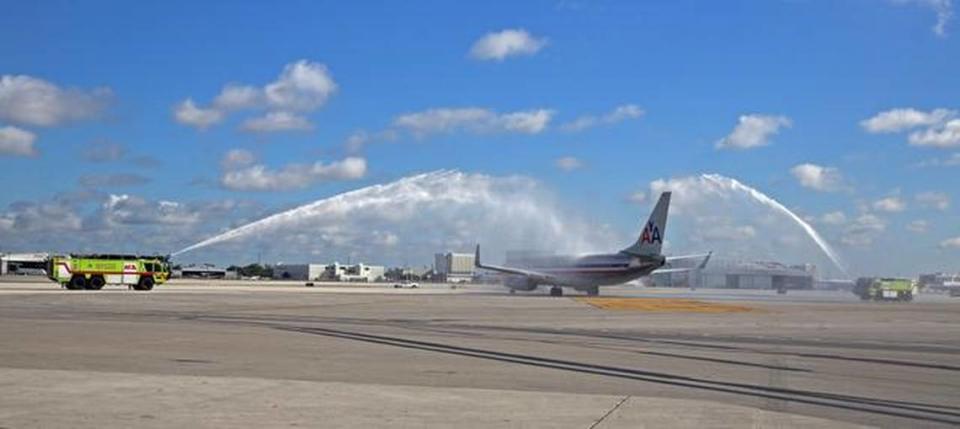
(406, 284)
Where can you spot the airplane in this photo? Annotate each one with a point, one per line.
(587, 273)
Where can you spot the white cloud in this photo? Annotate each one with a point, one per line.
(817, 177)
(896, 120)
(638, 197)
(133, 210)
(918, 226)
(360, 139)
(384, 238)
(237, 97)
(16, 142)
(753, 131)
(946, 135)
(834, 218)
(624, 112)
(618, 114)
(568, 163)
(444, 120)
(498, 46)
(31, 101)
(689, 192)
(236, 158)
(937, 200)
(473, 119)
(44, 216)
(951, 243)
(943, 9)
(938, 127)
(293, 176)
(862, 231)
(98, 222)
(890, 204)
(529, 122)
(277, 121)
(356, 141)
(302, 87)
(188, 113)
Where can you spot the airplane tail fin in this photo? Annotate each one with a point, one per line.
(651, 239)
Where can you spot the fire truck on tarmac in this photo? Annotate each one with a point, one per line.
(93, 272)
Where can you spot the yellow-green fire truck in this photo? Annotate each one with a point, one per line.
(77, 272)
(885, 289)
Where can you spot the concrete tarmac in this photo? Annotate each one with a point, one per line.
(239, 354)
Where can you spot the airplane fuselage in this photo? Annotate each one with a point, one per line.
(588, 271)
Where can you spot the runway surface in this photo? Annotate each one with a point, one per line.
(221, 354)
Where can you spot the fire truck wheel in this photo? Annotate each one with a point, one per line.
(96, 283)
(77, 282)
(145, 283)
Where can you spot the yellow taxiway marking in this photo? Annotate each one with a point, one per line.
(662, 305)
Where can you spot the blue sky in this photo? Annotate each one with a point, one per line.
(489, 88)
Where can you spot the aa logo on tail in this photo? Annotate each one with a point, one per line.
(651, 234)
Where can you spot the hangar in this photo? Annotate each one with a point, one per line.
(739, 274)
(24, 263)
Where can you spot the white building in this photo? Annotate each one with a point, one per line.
(330, 272)
(354, 273)
(454, 267)
(298, 271)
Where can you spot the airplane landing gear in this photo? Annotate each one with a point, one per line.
(556, 291)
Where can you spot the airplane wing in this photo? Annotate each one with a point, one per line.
(533, 275)
(670, 259)
(705, 256)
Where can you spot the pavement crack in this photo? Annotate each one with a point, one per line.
(609, 412)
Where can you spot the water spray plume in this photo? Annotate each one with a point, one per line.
(450, 210)
(735, 185)
(437, 210)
